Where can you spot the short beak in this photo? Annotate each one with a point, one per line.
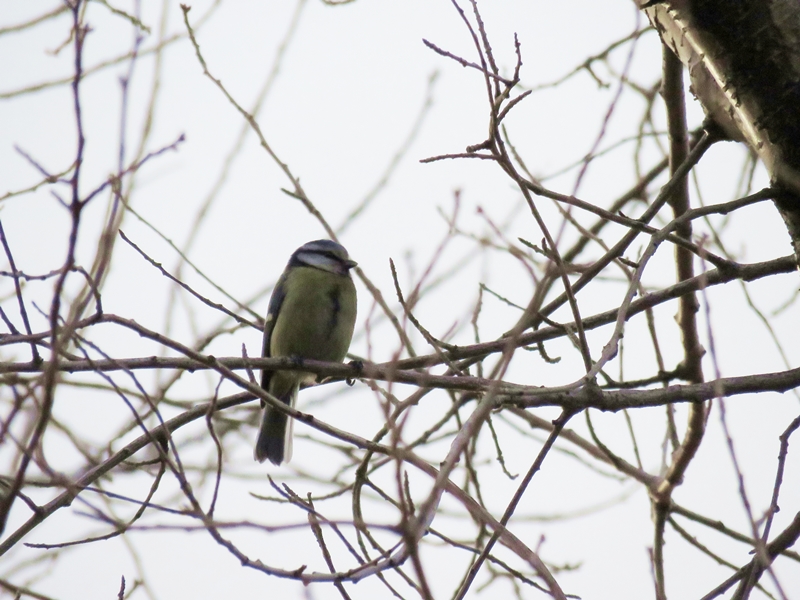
(350, 263)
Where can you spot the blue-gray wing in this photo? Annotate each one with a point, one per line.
(275, 302)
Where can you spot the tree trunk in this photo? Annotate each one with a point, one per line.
(744, 64)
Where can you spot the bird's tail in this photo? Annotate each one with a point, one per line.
(275, 436)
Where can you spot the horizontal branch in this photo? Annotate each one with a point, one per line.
(526, 396)
(713, 277)
(614, 400)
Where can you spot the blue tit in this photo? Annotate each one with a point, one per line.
(311, 315)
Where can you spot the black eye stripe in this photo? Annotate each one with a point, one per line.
(329, 254)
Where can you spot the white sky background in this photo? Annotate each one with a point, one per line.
(350, 87)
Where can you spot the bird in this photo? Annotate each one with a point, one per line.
(311, 315)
